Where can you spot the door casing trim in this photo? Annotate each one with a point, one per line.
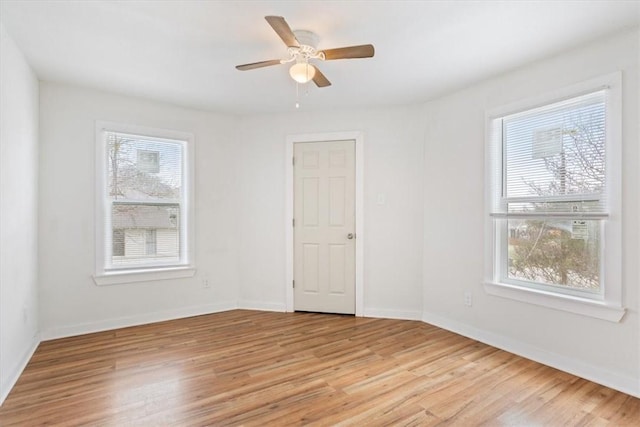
(358, 137)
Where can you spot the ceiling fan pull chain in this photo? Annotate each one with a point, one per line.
(297, 95)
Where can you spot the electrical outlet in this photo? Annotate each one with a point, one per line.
(468, 299)
(205, 283)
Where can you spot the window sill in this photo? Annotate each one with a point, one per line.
(583, 306)
(132, 276)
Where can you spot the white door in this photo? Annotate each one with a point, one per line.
(324, 226)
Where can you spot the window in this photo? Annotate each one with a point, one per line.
(553, 199)
(143, 203)
(151, 248)
(118, 242)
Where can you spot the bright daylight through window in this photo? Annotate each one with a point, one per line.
(143, 206)
(550, 203)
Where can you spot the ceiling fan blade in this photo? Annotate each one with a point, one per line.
(361, 51)
(319, 79)
(281, 27)
(260, 64)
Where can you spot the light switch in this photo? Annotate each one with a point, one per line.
(380, 199)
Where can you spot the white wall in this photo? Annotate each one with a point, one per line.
(18, 212)
(70, 301)
(393, 231)
(240, 210)
(453, 237)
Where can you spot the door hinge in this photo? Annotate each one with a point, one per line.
(294, 284)
(293, 161)
(293, 222)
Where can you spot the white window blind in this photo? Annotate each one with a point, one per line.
(553, 160)
(144, 202)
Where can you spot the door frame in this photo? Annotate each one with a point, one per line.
(356, 136)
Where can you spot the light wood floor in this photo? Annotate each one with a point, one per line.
(259, 368)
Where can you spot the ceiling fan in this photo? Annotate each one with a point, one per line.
(302, 47)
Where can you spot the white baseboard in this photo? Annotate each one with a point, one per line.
(262, 306)
(579, 368)
(142, 319)
(12, 377)
(393, 314)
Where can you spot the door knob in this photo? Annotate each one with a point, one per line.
(350, 236)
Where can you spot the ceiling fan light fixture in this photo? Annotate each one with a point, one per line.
(302, 47)
(302, 72)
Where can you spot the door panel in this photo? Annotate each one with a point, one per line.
(324, 214)
(337, 201)
(310, 268)
(337, 258)
(311, 198)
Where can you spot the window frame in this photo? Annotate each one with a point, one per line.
(104, 275)
(607, 304)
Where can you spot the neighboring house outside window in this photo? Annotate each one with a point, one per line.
(553, 199)
(148, 233)
(144, 201)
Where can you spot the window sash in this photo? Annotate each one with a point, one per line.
(109, 265)
(523, 161)
(110, 202)
(502, 264)
(500, 213)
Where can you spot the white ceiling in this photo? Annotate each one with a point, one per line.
(185, 52)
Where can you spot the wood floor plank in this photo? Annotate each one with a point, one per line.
(255, 368)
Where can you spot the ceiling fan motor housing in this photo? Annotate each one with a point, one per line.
(307, 38)
(308, 42)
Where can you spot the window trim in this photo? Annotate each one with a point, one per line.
(608, 305)
(103, 276)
